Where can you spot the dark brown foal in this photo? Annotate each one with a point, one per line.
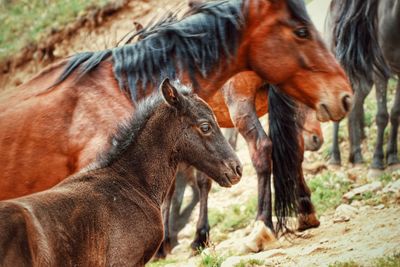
(109, 214)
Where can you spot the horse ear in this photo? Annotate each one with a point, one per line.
(170, 94)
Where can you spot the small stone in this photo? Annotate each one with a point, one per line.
(344, 213)
(393, 187)
(372, 187)
(380, 207)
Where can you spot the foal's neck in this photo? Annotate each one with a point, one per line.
(150, 161)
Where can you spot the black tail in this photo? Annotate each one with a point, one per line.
(284, 130)
(354, 38)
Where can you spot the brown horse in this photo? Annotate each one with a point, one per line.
(251, 98)
(61, 128)
(109, 214)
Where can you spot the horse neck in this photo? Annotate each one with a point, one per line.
(150, 160)
(209, 85)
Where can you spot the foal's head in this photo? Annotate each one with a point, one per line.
(200, 141)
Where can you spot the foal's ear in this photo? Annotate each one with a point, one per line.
(170, 94)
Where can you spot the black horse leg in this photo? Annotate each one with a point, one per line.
(335, 156)
(392, 157)
(201, 239)
(232, 135)
(165, 246)
(382, 119)
(355, 126)
(178, 217)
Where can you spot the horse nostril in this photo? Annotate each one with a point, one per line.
(239, 170)
(346, 101)
(315, 139)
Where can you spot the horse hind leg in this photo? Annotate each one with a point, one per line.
(382, 119)
(307, 217)
(202, 236)
(392, 154)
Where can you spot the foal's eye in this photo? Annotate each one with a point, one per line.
(205, 128)
(302, 32)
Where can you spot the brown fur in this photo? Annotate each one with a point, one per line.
(109, 214)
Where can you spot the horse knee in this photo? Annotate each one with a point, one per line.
(382, 119)
(261, 157)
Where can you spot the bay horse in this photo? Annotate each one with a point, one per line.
(365, 38)
(239, 104)
(66, 112)
(109, 213)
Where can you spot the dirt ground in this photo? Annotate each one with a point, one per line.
(372, 231)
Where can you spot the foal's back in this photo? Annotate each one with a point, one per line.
(69, 225)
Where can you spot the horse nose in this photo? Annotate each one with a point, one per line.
(315, 139)
(239, 170)
(347, 102)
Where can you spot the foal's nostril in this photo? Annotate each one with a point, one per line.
(315, 139)
(346, 102)
(239, 170)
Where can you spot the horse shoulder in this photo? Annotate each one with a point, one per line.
(22, 241)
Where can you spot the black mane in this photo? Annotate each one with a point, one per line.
(194, 43)
(129, 130)
(355, 40)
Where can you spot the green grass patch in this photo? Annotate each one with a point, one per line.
(345, 264)
(234, 217)
(327, 190)
(23, 22)
(211, 259)
(386, 261)
(250, 263)
(160, 263)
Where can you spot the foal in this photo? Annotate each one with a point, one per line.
(109, 214)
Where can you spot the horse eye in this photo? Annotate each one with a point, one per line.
(302, 32)
(205, 128)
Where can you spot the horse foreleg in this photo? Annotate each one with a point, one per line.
(392, 157)
(382, 119)
(245, 119)
(335, 154)
(178, 218)
(165, 246)
(355, 126)
(201, 239)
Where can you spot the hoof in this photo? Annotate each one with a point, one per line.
(334, 162)
(259, 239)
(201, 241)
(393, 167)
(163, 251)
(307, 221)
(374, 173)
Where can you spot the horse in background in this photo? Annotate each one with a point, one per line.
(86, 96)
(364, 35)
(109, 213)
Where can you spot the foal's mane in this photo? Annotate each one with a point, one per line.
(194, 43)
(129, 130)
(355, 39)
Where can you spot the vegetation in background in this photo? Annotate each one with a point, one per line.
(387, 261)
(327, 190)
(211, 259)
(23, 22)
(160, 263)
(250, 263)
